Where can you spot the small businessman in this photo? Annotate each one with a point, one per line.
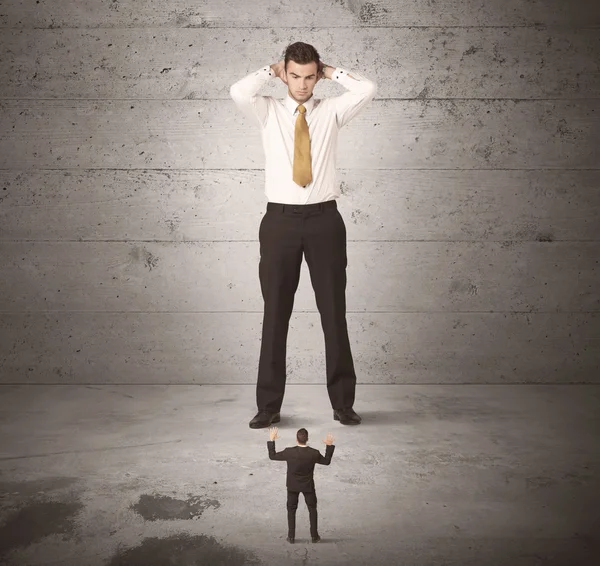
(301, 460)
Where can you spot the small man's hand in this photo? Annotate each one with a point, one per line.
(329, 439)
(273, 433)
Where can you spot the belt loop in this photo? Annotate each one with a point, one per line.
(320, 207)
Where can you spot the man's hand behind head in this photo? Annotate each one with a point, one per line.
(279, 70)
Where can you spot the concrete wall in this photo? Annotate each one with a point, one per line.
(131, 190)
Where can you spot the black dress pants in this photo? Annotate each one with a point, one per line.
(286, 233)
(292, 504)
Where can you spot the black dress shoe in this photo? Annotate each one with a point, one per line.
(316, 539)
(290, 540)
(263, 419)
(346, 416)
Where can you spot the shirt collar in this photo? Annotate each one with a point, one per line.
(292, 105)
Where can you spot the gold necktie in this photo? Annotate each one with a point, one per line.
(302, 166)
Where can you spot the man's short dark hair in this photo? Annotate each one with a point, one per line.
(302, 436)
(302, 53)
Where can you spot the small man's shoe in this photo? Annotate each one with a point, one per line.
(263, 419)
(316, 539)
(346, 416)
(290, 540)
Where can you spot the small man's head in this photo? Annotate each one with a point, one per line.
(303, 67)
(302, 436)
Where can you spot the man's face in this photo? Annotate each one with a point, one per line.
(301, 80)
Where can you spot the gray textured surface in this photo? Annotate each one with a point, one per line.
(457, 475)
(288, 13)
(408, 62)
(466, 475)
(387, 134)
(131, 191)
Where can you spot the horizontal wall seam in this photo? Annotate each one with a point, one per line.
(361, 26)
(3, 312)
(255, 241)
(191, 100)
(33, 170)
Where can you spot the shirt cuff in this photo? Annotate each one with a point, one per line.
(338, 74)
(267, 71)
(355, 83)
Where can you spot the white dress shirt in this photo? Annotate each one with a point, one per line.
(277, 119)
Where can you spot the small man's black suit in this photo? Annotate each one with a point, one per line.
(301, 462)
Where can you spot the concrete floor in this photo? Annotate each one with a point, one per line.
(436, 475)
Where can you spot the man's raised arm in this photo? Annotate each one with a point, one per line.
(244, 94)
(360, 92)
(326, 460)
(275, 455)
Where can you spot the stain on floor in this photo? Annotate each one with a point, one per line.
(33, 487)
(165, 508)
(36, 520)
(184, 550)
